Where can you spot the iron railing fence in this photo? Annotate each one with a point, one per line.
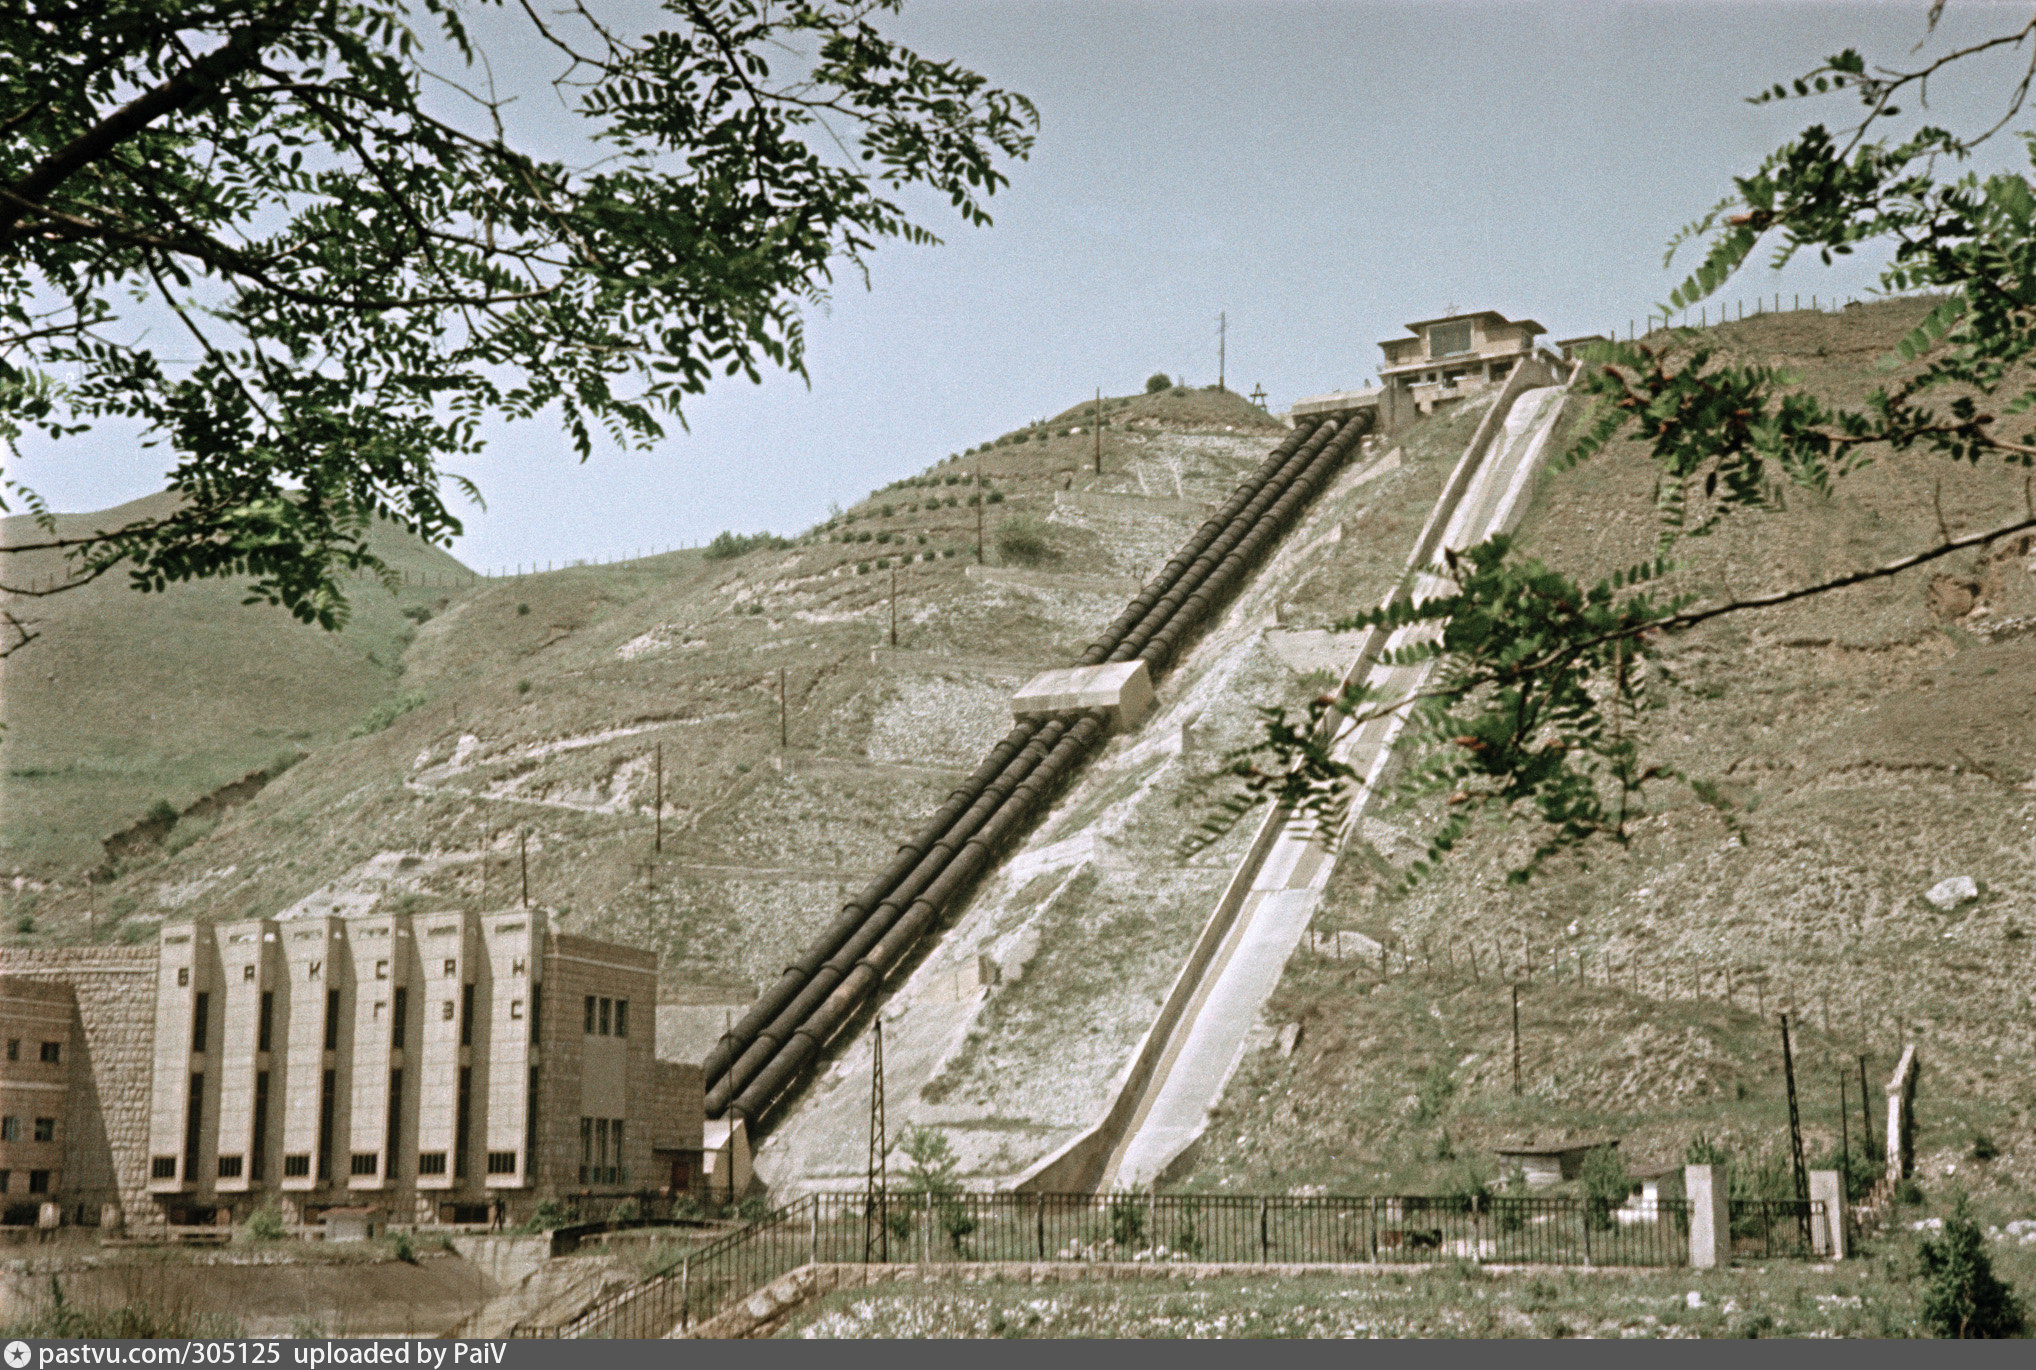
(855, 1228)
(1766, 1229)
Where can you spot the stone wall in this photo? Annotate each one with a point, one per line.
(106, 1157)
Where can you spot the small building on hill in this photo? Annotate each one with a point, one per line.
(1456, 356)
(1542, 1167)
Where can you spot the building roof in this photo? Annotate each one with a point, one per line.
(1420, 324)
(1554, 1148)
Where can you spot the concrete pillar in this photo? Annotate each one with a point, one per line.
(1827, 1238)
(1710, 1216)
(1901, 1133)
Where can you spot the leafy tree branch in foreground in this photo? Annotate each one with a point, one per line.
(291, 241)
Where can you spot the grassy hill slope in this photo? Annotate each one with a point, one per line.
(128, 699)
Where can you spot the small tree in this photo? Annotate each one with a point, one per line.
(1157, 382)
(265, 1224)
(1966, 1298)
(1606, 1185)
(934, 1169)
(1023, 540)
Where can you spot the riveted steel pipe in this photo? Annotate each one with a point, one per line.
(1212, 555)
(772, 1002)
(868, 972)
(1211, 529)
(1221, 580)
(766, 1042)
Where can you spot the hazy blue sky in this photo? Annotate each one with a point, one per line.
(1321, 172)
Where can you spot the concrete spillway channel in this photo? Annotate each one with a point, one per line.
(756, 1066)
(1180, 1071)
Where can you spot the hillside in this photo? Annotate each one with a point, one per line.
(1876, 741)
(549, 699)
(126, 700)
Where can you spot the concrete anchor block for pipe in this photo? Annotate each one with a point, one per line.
(1121, 689)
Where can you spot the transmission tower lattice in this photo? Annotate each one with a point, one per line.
(876, 1226)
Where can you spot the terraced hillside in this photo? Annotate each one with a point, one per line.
(546, 705)
(1876, 742)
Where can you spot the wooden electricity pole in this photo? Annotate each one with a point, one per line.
(523, 857)
(894, 606)
(1222, 340)
(783, 725)
(657, 843)
(1802, 1176)
(1099, 430)
(979, 511)
(1516, 1038)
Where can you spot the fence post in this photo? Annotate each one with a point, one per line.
(813, 1230)
(1039, 1212)
(1587, 1231)
(685, 1292)
(1264, 1238)
(926, 1230)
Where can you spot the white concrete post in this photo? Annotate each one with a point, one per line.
(1710, 1216)
(1827, 1238)
(1901, 1110)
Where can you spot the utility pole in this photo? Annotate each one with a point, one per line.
(1865, 1113)
(657, 843)
(878, 1172)
(1796, 1133)
(894, 606)
(1099, 430)
(1844, 1135)
(783, 724)
(1222, 341)
(523, 856)
(1516, 1038)
(979, 511)
(1258, 395)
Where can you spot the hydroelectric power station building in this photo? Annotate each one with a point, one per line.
(443, 1068)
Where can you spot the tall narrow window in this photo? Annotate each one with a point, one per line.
(258, 1160)
(328, 1100)
(395, 1115)
(616, 1174)
(332, 1020)
(530, 1125)
(467, 1014)
(201, 1019)
(194, 1124)
(621, 1017)
(399, 1024)
(590, 1015)
(536, 1008)
(266, 1023)
(463, 1125)
(586, 1148)
(607, 1007)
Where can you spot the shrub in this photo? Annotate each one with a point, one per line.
(1156, 382)
(25, 923)
(523, 687)
(265, 1224)
(1606, 1185)
(402, 1248)
(996, 497)
(888, 511)
(883, 563)
(387, 712)
(862, 568)
(628, 1211)
(550, 1214)
(727, 544)
(1023, 540)
(163, 812)
(1965, 1298)
(188, 833)
(1983, 1148)
(523, 611)
(417, 613)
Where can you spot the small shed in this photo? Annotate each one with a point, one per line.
(353, 1224)
(1541, 1167)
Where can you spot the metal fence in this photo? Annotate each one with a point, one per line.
(1766, 1229)
(1215, 1228)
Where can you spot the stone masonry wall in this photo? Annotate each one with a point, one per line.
(106, 1157)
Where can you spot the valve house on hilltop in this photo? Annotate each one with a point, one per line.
(1446, 360)
(447, 1067)
(1456, 356)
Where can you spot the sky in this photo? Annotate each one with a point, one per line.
(1319, 174)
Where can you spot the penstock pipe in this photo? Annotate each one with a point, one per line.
(869, 970)
(772, 1002)
(770, 1039)
(1211, 529)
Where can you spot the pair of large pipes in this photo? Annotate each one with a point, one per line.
(761, 1056)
